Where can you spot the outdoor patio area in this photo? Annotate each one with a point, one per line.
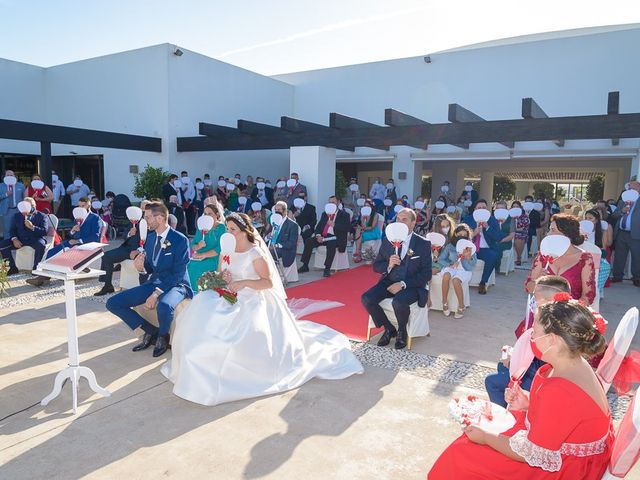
(390, 422)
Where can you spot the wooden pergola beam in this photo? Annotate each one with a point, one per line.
(530, 109)
(295, 125)
(338, 121)
(395, 118)
(459, 114)
(585, 127)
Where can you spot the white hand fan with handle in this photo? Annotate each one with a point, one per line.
(205, 223)
(227, 247)
(365, 212)
(143, 228)
(552, 247)
(10, 181)
(419, 205)
(79, 214)
(463, 244)
(24, 208)
(481, 216)
(134, 214)
(515, 212)
(396, 233)
(330, 209)
(37, 184)
(501, 214)
(629, 197)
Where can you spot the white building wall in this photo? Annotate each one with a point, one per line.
(202, 89)
(566, 76)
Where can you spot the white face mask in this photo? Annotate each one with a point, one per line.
(444, 188)
(445, 230)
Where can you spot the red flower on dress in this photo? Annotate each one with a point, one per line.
(562, 297)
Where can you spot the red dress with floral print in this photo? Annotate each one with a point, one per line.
(580, 276)
(564, 435)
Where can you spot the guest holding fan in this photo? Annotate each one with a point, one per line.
(128, 249)
(28, 229)
(573, 264)
(563, 427)
(206, 243)
(41, 193)
(406, 270)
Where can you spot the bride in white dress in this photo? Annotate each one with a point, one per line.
(223, 352)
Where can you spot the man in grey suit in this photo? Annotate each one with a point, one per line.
(11, 193)
(627, 238)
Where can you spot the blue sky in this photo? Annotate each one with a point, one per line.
(280, 36)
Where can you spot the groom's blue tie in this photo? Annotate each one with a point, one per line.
(156, 250)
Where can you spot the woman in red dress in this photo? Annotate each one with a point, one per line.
(563, 427)
(576, 265)
(42, 194)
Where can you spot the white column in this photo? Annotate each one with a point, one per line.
(316, 167)
(447, 170)
(404, 166)
(610, 184)
(486, 186)
(635, 167)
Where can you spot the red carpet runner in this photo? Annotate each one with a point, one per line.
(345, 287)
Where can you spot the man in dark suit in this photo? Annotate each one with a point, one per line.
(165, 259)
(172, 188)
(305, 215)
(404, 278)
(127, 250)
(487, 238)
(285, 237)
(26, 231)
(263, 194)
(331, 231)
(294, 190)
(86, 232)
(627, 238)
(177, 211)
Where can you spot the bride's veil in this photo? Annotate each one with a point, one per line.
(278, 287)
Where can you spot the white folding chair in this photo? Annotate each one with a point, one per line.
(617, 349)
(129, 275)
(24, 256)
(435, 295)
(340, 261)
(418, 325)
(476, 275)
(626, 446)
(508, 261)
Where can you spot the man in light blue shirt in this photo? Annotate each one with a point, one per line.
(77, 190)
(627, 239)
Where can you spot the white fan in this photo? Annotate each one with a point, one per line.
(10, 181)
(586, 227)
(291, 183)
(80, 214)
(365, 211)
(554, 246)
(515, 212)
(281, 184)
(205, 223)
(276, 219)
(360, 202)
(436, 239)
(387, 202)
(37, 184)
(96, 204)
(396, 233)
(260, 185)
(538, 206)
(528, 206)
(501, 214)
(354, 187)
(419, 205)
(143, 229)
(630, 196)
(463, 244)
(134, 214)
(242, 200)
(330, 208)
(24, 208)
(222, 183)
(256, 206)
(298, 203)
(481, 216)
(397, 208)
(439, 204)
(185, 180)
(227, 247)
(231, 187)
(77, 182)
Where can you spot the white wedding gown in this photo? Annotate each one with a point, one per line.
(223, 352)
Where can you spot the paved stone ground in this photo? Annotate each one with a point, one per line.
(390, 422)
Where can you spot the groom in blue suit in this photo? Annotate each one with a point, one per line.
(165, 259)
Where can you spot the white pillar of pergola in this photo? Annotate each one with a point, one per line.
(486, 186)
(406, 173)
(316, 167)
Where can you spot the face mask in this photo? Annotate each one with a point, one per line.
(268, 184)
(445, 230)
(389, 186)
(536, 351)
(444, 189)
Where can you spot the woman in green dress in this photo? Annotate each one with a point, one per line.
(205, 250)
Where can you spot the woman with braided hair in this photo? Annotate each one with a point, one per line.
(563, 427)
(223, 352)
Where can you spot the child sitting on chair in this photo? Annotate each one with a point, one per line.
(496, 383)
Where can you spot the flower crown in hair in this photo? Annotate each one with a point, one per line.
(599, 323)
(237, 217)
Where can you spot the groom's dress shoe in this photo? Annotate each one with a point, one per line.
(147, 340)
(162, 344)
(401, 341)
(386, 337)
